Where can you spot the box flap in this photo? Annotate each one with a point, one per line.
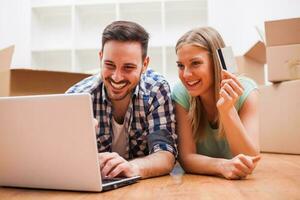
(33, 82)
(282, 32)
(257, 52)
(46, 71)
(6, 57)
(5, 61)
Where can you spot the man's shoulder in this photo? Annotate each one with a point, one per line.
(87, 85)
(154, 81)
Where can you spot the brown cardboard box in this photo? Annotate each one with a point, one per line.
(16, 82)
(5, 61)
(283, 49)
(33, 82)
(251, 64)
(280, 117)
(284, 62)
(282, 32)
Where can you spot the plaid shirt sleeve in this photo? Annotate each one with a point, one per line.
(86, 85)
(161, 120)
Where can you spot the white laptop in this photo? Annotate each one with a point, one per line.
(49, 142)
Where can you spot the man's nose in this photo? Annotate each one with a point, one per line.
(117, 75)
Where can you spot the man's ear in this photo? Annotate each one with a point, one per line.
(145, 64)
(100, 55)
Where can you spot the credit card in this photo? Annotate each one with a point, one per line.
(227, 59)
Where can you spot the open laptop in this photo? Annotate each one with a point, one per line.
(49, 142)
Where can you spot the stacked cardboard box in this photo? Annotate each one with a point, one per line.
(283, 49)
(279, 104)
(16, 82)
(251, 64)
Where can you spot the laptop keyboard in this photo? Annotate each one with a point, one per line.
(109, 180)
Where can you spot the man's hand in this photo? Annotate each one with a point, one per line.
(113, 165)
(238, 167)
(96, 124)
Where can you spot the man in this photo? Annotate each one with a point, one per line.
(136, 134)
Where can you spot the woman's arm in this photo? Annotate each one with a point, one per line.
(241, 129)
(236, 168)
(188, 157)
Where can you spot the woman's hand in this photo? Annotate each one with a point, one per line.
(230, 91)
(238, 167)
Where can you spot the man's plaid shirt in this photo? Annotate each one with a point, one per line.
(149, 121)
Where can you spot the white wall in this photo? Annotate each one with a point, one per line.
(236, 19)
(15, 29)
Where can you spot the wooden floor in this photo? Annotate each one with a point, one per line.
(277, 177)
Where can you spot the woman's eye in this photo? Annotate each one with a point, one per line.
(196, 63)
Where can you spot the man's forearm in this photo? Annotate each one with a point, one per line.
(156, 164)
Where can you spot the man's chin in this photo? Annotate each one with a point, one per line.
(117, 97)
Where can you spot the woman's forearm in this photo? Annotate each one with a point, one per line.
(200, 164)
(236, 134)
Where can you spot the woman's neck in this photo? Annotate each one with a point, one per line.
(209, 103)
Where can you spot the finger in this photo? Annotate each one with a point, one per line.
(228, 75)
(118, 170)
(242, 167)
(95, 121)
(111, 165)
(106, 156)
(234, 85)
(256, 158)
(239, 173)
(247, 160)
(230, 91)
(225, 95)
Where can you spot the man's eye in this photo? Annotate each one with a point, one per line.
(180, 66)
(109, 65)
(129, 67)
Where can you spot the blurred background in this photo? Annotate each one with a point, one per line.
(65, 35)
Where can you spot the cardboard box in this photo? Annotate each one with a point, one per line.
(16, 82)
(284, 62)
(283, 49)
(33, 82)
(5, 61)
(280, 117)
(282, 32)
(251, 64)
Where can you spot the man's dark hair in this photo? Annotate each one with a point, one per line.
(126, 31)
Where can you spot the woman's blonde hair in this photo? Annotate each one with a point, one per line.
(209, 39)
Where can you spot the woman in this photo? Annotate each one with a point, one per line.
(217, 114)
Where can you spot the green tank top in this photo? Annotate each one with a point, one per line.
(211, 145)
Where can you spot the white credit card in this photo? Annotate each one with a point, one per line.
(227, 59)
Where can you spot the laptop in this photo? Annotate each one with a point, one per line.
(49, 142)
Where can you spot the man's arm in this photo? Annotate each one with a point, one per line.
(161, 141)
(156, 164)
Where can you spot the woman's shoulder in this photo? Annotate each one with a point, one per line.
(180, 95)
(249, 85)
(247, 82)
